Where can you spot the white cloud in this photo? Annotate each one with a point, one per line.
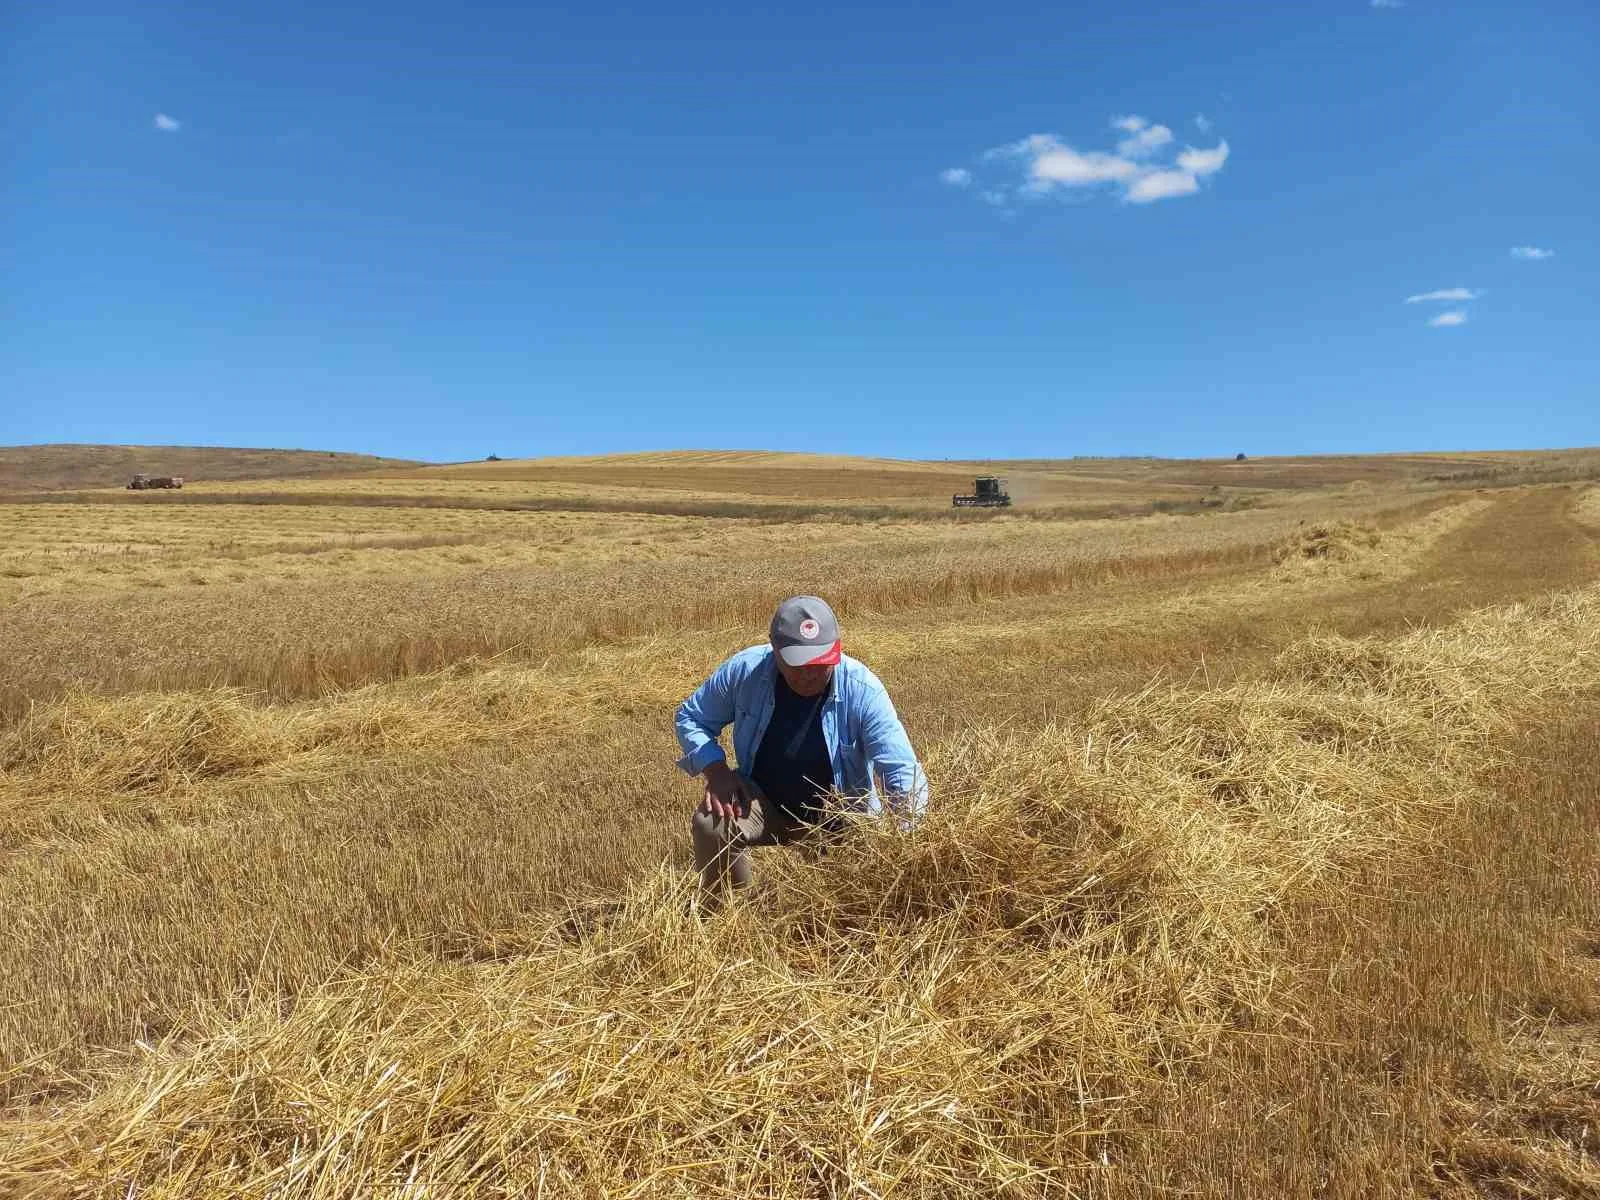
(1203, 162)
(1145, 143)
(1066, 166)
(1202, 122)
(1531, 252)
(1449, 294)
(167, 124)
(1144, 167)
(1447, 319)
(1034, 143)
(1162, 185)
(1388, 3)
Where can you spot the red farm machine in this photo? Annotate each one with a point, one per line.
(144, 483)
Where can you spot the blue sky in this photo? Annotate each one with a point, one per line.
(444, 231)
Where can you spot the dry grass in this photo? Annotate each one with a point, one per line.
(1090, 503)
(55, 467)
(1434, 1027)
(143, 743)
(793, 488)
(324, 837)
(1472, 468)
(1587, 508)
(812, 474)
(706, 460)
(81, 548)
(191, 602)
(327, 816)
(772, 481)
(88, 744)
(1367, 549)
(984, 1007)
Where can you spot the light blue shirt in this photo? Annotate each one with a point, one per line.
(866, 741)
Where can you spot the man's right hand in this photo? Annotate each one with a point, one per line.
(727, 793)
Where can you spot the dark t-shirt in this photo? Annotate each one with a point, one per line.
(792, 765)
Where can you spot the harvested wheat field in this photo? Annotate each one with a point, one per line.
(344, 854)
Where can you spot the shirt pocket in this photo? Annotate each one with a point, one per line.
(855, 766)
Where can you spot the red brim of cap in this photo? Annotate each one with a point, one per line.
(826, 656)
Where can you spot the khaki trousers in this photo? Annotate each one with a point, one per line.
(720, 844)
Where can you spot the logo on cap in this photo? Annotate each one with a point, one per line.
(808, 628)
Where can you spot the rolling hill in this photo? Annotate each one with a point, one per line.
(48, 468)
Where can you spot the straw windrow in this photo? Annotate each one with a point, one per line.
(978, 1007)
(149, 742)
(1587, 509)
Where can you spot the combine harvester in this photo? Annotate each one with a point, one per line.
(988, 491)
(144, 483)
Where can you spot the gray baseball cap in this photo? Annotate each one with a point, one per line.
(805, 633)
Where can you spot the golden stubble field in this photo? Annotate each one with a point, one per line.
(343, 854)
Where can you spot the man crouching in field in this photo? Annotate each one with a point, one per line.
(808, 721)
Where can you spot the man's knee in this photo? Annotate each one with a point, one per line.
(714, 838)
(706, 826)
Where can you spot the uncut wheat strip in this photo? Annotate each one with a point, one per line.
(983, 562)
